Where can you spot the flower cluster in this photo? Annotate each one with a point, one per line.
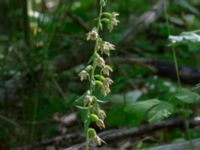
(97, 73)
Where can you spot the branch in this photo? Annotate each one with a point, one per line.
(114, 134)
(179, 146)
(25, 23)
(79, 21)
(78, 137)
(163, 68)
(144, 21)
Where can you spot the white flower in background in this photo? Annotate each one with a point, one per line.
(185, 36)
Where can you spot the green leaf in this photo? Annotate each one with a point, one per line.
(81, 107)
(187, 96)
(186, 5)
(142, 106)
(154, 109)
(160, 111)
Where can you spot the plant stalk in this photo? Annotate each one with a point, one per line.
(92, 78)
(188, 135)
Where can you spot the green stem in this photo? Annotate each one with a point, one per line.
(92, 79)
(86, 126)
(173, 48)
(176, 66)
(178, 77)
(188, 133)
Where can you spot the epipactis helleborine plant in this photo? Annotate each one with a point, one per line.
(97, 73)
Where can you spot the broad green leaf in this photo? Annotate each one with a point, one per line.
(187, 96)
(154, 109)
(142, 106)
(160, 111)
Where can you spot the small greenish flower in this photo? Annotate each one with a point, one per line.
(105, 47)
(97, 140)
(88, 68)
(83, 75)
(92, 35)
(107, 82)
(114, 19)
(106, 86)
(100, 123)
(101, 114)
(106, 70)
(88, 100)
(105, 90)
(99, 61)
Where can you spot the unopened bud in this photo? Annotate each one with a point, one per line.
(88, 68)
(99, 83)
(94, 117)
(92, 132)
(100, 77)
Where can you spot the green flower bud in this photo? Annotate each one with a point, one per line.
(106, 14)
(99, 83)
(88, 68)
(99, 77)
(94, 100)
(94, 117)
(92, 132)
(106, 20)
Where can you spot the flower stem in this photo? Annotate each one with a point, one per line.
(188, 135)
(176, 66)
(92, 79)
(86, 125)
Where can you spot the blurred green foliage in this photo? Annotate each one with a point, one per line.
(46, 69)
